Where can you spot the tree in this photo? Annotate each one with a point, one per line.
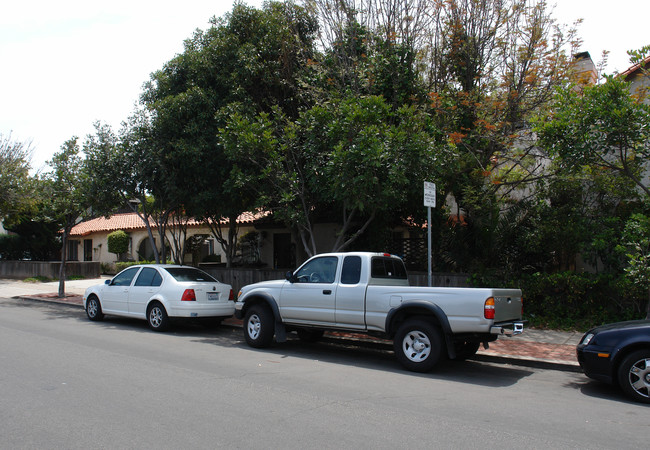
(488, 67)
(67, 197)
(601, 126)
(250, 57)
(118, 242)
(493, 69)
(350, 160)
(636, 245)
(123, 172)
(14, 175)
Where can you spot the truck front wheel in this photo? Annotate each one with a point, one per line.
(259, 326)
(418, 345)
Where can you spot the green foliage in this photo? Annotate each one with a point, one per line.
(118, 242)
(570, 300)
(636, 246)
(12, 247)
(601, 126)
(38, 279)
(355, 158)
(15, 186)
(107, 268)
(121, 265)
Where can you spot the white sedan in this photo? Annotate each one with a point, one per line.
(158, 292)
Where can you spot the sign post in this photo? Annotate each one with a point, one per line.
(429, 202)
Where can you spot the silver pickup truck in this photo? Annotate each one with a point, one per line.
(369, 293)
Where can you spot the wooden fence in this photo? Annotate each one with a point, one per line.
(49, 269)
(238, 277)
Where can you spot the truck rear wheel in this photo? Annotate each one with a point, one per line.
(418, 345)
(259, 326)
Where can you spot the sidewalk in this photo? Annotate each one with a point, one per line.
(539, 348)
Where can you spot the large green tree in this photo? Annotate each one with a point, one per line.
(66, 196)
(123, 171)
(251, 57)
(601, 126)
(346, 161)
(14, 175)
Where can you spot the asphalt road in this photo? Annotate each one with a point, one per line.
(67, 382)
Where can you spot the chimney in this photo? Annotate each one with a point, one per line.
(584, 69)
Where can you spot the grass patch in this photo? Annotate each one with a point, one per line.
(38, 279)
(42, 279)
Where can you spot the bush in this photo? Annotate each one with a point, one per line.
(120, 266)
(118, 242)
(12, 247)
(573, 301)
(107, 269)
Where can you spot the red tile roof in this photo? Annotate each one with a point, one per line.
(635, 67)
(132, 222)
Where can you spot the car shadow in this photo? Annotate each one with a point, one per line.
(359, 353)
(379, 356)
(603, 391)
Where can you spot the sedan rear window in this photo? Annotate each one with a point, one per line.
(189, 274)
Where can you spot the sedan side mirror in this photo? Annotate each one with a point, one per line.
(289, 276)
(107, 282)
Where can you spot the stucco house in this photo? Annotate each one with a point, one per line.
(263, 241)
(637, 76)
(88, 240)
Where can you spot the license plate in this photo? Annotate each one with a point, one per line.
(213, 296)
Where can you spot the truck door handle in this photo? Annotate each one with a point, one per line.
(327, 291)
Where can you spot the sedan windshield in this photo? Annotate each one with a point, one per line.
(189, 274)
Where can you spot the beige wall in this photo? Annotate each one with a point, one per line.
(101, 254)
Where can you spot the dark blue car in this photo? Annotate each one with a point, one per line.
(619, 353)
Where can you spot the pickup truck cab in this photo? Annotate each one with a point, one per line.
(369, 293)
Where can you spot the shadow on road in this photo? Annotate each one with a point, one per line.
(370, 355)
(367, 355)
(603, 391)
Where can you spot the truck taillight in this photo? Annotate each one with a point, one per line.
(188, 296)
(231, 296)
(488, 309)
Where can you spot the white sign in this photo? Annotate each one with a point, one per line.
(429, 194)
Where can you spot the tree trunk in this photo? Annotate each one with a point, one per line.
(64, 251)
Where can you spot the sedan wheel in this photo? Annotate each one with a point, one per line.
(94, 309)
(157, 317)
(634, 375)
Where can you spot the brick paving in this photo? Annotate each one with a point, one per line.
(518, 348)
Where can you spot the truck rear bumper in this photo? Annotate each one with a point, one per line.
(508, 328)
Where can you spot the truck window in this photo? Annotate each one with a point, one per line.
(387, 268)
(351, 272)
(318, 270)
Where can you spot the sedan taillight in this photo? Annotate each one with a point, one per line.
(231, 296)
(188, 296)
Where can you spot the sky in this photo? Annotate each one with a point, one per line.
(67, 64)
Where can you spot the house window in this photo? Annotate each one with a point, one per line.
(88, 249)
(73, 250)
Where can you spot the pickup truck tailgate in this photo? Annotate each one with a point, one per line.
(507, 305)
